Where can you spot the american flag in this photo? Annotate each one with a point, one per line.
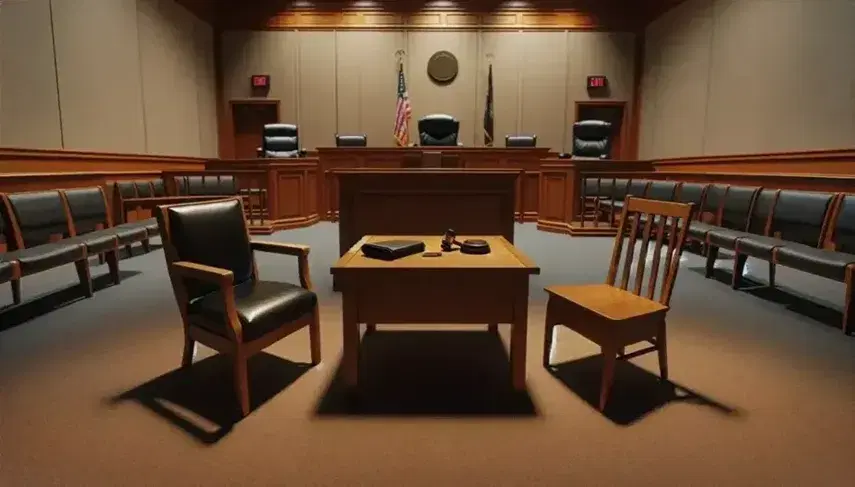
(403, 111)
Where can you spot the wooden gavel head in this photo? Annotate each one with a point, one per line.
(449, 239)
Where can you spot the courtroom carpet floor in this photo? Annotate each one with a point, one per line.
(764, 396)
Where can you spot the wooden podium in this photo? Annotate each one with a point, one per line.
(425, 202)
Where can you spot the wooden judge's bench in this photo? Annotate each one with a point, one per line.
(525, 159)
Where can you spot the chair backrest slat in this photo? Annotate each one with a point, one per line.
(654, 214)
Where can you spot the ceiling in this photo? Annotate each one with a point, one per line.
(215, 11)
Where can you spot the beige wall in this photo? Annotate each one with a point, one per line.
(346, 81)
(128, 76)
(749, 76)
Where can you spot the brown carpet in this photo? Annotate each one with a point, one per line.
(764, 394)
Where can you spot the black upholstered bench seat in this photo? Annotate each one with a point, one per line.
(47, 256)
(128, 234)
(726, 238)
(97, 242)
(150, 226)
(825, 263)
(699, 230)
(759, 246)
(262, 306)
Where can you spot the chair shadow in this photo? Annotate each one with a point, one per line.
(14, 315)
(635, 394)
(429, 373)
(809, 307)
(200, 400)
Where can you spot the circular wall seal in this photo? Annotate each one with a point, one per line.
(442, 67)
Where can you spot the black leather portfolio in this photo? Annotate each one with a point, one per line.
(392, 249)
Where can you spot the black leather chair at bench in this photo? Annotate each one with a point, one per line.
(89, 216)
(837, 262)
(38, 226)
(342, 140)
(521, 141)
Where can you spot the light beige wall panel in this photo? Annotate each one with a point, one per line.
(592, 53)
(828, 77)
(29, 110)
(675, 82)
(98, 67)
(456, 99)
(349, 59)
(206, 95)
(370, 97)
(507, 51)
(263, 52)
(543, 87)
(317, 89)
(169, 83)
(756, 94)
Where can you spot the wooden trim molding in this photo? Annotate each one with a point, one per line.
(827, 162)
(429, 19)
(14, 160)
(14, 153)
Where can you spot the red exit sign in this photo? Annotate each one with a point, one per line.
(260, 81)
(595, 82)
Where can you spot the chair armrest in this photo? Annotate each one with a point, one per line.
(280, 248)
(299, 251)
(215, 275)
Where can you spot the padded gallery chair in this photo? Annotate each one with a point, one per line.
(592, 139)
(342, 140)
(223, 302)
(280, 140)
(613, 315)
(438, 130)
(520, 140)
(37, 224)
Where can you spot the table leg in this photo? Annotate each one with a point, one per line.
(350, 335)
(519, 333)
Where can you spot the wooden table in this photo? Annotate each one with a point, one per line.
(454, 288)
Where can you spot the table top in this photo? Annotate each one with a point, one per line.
(503, 255)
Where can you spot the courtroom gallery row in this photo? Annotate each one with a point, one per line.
(812, 232)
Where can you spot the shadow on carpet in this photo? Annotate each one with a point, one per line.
(635, 394)
(807, 306)
(201, 401)
(429, 373)
(14, 315)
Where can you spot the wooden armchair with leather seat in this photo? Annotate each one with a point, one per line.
(223, 302)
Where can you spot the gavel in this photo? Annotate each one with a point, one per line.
(475, 246)
(449, 239)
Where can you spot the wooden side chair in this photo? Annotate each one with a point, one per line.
(222, 301)
(614, 316)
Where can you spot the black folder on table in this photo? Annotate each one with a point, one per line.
(392, 249)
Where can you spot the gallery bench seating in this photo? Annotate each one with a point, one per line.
(808, 231)
(135, 196)
(90, 216)
(37, 231)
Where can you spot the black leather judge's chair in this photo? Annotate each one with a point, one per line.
(342, 140)
(223, 301)
(438, 130)
(592, 139)
(281, 140)
(520, 140)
